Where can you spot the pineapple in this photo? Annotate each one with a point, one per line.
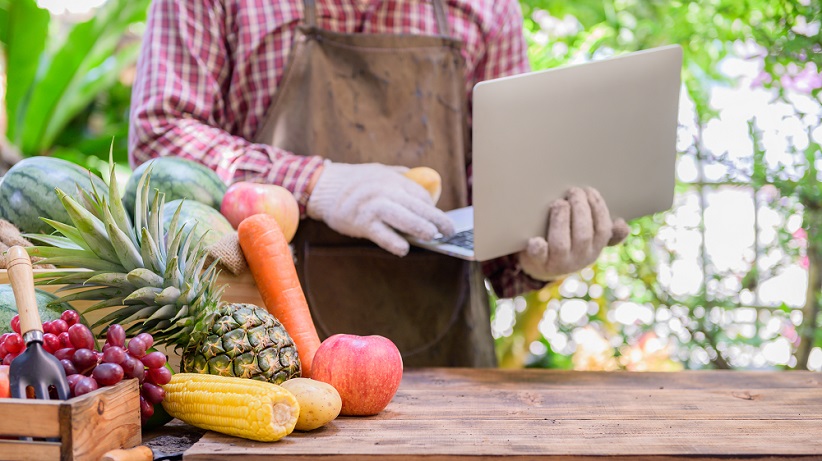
(157, 283)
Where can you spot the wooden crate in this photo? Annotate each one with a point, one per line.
(86, 426)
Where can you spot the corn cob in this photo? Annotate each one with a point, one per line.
(251, 409)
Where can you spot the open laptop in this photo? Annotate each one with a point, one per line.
(609, 124)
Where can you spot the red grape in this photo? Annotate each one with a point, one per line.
(59, 326)
(65, 340)
(15, 324)
(84, 386)
(152, 393)
(70, 317)
(159, 376)
(134, 368)
(69, 367)
(48, 327)
(146, 338)
(114, 354)
(51, 343)
(10, 357)
(81, 337)
(108, 374)
(64, 353)
(14, 343)
(155, 359)
(137, 348)
(72, 381)
(116, 335)
(85, 360)
(146, 409)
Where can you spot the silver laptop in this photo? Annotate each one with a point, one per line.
(610, 124)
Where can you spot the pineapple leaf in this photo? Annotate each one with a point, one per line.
(93, 262)
(70, 232)
(64, 276)
(118, 316)
(172, 274)
(111, 279)
(150, 252)
(172, 227)
(91, 229)
(140, 200)
(54, 240)
(95, 294)
(104, 304)
(145, 278)
(140, 315)
(127, 253)
(89, 202)
(51, 252)
(164, 313)
(174, 246)
(116, 208)
(154, 224)
(169, 295)
(143, 295)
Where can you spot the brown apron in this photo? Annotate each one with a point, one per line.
(399, 100)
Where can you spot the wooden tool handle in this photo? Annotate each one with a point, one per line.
(138, 453)
(18, 266)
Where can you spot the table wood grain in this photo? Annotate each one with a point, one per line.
(488, 414)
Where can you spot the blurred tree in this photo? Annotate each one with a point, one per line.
(65, 94)
(784, 36)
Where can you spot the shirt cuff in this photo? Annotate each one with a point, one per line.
(507, 277)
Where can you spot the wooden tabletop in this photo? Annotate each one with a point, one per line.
(483, 414)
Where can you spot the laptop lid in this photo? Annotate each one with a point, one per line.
(608, 124)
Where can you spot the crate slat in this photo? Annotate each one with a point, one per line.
(29, 451)
(33, 418)
(87, 426)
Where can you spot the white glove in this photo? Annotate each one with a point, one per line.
(579, 227)
(376, 201)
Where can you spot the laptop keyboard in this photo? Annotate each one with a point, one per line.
(464, 239)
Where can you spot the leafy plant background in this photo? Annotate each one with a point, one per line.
(66, 81)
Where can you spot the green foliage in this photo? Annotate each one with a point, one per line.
(55, 80)
(708, 335)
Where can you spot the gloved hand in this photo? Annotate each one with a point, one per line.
(376, 201)
(579, 227)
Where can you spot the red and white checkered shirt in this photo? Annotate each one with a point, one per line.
(209, 69)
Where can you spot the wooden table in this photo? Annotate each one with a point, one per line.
(443, 414)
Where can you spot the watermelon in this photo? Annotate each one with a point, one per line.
(178, 178)
(27, 191)
(211, 225)
(48, 309)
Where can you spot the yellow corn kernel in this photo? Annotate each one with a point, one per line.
(240, 407)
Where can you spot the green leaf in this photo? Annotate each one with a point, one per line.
(82, 66)
(25, 33)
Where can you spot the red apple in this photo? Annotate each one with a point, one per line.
(365, 370)
(244, 199)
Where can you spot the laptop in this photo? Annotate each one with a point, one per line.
(609, 124)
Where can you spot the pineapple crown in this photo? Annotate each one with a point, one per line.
(158, 281)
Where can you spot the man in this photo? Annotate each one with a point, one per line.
(333, 101)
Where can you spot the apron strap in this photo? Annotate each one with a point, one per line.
(442, 18)
(310, 12)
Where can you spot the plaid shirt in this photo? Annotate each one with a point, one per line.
(208, 71)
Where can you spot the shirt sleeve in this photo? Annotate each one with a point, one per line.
(179, 108)
(506, 54)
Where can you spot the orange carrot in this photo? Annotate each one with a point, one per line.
(270, 261)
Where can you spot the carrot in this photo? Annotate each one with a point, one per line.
(272, 266)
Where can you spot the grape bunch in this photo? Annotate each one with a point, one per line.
(88, 369)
